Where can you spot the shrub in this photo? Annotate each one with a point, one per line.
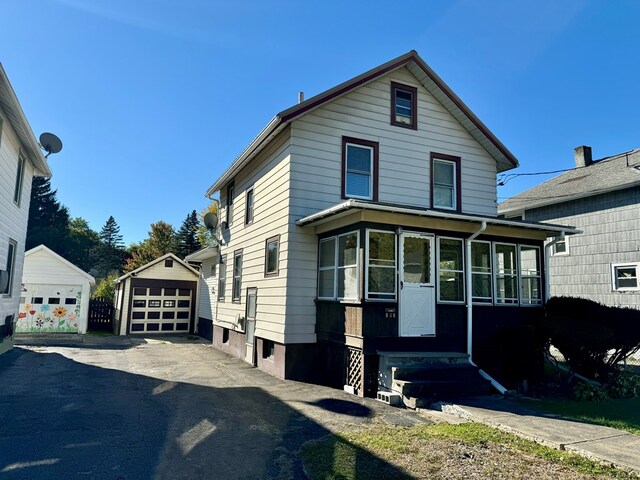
(586, 392)
(593, 338)
(106, 287)
(624, 385)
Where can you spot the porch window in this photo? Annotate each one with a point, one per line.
(625, 276)
(338, 267)
(359, 169)
(381, 265)
(530, 277)
(450, 270)
(506, 277)
(481, 272)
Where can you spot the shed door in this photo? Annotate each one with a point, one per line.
(49, 308)
(161, 310)
(417, 287)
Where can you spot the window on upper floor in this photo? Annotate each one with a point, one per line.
(359, 169)
(445, 182)
(17, 192)
(404, 106)
(230, 194)
(338, 267)
(625, 277)
(248, 214)
(11, 266)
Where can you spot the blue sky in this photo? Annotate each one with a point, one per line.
(154, 98)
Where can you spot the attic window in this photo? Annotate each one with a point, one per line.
(404, 106)
(168, 263)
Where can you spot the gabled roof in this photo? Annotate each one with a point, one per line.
(43, 248)
(133, 273)
(11, 107)
(425, 75)
(605, 175)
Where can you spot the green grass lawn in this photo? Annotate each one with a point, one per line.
(441, 451)
(620, 414)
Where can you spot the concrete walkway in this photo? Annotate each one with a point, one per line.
(600, 443)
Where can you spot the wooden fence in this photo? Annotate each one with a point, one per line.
(101, 312)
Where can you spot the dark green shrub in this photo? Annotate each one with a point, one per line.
(624, 385)
(586, 392)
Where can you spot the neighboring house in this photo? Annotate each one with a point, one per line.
(159, 297)
(206, 261)
(602, 199)
(20, 160)
(55, 294)
(345, 227)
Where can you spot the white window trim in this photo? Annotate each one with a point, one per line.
(395, 269)
(464, 289)
(566, 253)
(532, 303)
(495, 276)
(489, 299)
(455, 187)
(346, 169)
(614, 277)
(335, 268)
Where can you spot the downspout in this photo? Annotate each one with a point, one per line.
(547, 254)
(469, 278)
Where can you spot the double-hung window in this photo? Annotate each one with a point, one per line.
(17, 192)
(625, 276)
(222, 277)
(481, 272)
(445, 182)
(359, 169)
(237, 276)
(404, 100)
(530, 276)
(11, 266)
(271, 256)
(381, 265)
(338, 267)
(506, 273)
(450, 270)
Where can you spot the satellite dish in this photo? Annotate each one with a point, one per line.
(210, 221)
(50, 143)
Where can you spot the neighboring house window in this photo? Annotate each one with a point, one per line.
(450, 270)
(17, 192)
(561, 247)
(338, 267)
(359, 169)
(530, 277)
(11, 265)
(445, 182)
(481, 272)
(248, 214)
(230, 193)
(625, 276)
(404, 106)
(237, 276)
(213, 270)
(272, 247)
(168, 263)
(506, 273)
(381, 265)
(222, 277)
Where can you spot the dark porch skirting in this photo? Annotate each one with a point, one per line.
(205, 328)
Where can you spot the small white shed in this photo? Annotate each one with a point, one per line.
(55, 294)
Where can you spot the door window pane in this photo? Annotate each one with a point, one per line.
(416, 260)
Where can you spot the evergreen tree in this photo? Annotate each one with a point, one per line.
(110, 234)
(187, 238)
(82, 243)
(48, 219)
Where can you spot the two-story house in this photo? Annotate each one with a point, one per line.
(361, 225)
(20, 160)
(602, 199)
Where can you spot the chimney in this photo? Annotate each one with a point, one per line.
(300, 97)
(582, 156)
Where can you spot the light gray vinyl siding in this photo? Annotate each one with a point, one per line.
(208, 290)
(611, 226)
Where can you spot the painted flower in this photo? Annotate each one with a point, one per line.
(72, 316)
(27, 306)
(32, 312)
(40, 316)
(22, 314)
(59, 312)
(75, 325)
(39, 323)
(44, 308)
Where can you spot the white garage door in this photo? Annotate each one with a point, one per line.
(49, 308)
(160, 310)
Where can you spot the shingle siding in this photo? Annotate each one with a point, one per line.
(611, 226)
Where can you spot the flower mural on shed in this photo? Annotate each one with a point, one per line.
(59, 312)
(36, 316)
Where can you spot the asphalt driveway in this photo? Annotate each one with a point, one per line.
(118, 408)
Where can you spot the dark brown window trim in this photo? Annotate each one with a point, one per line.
(229, 213)
(414, 105)
(357, 141)
(457, 161)
(276, 239)
(234, 298)
(248, 214)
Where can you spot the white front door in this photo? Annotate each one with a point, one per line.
(250, 325)
(417, 285)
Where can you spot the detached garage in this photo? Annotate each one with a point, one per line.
(159, 297)
(54, 295)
